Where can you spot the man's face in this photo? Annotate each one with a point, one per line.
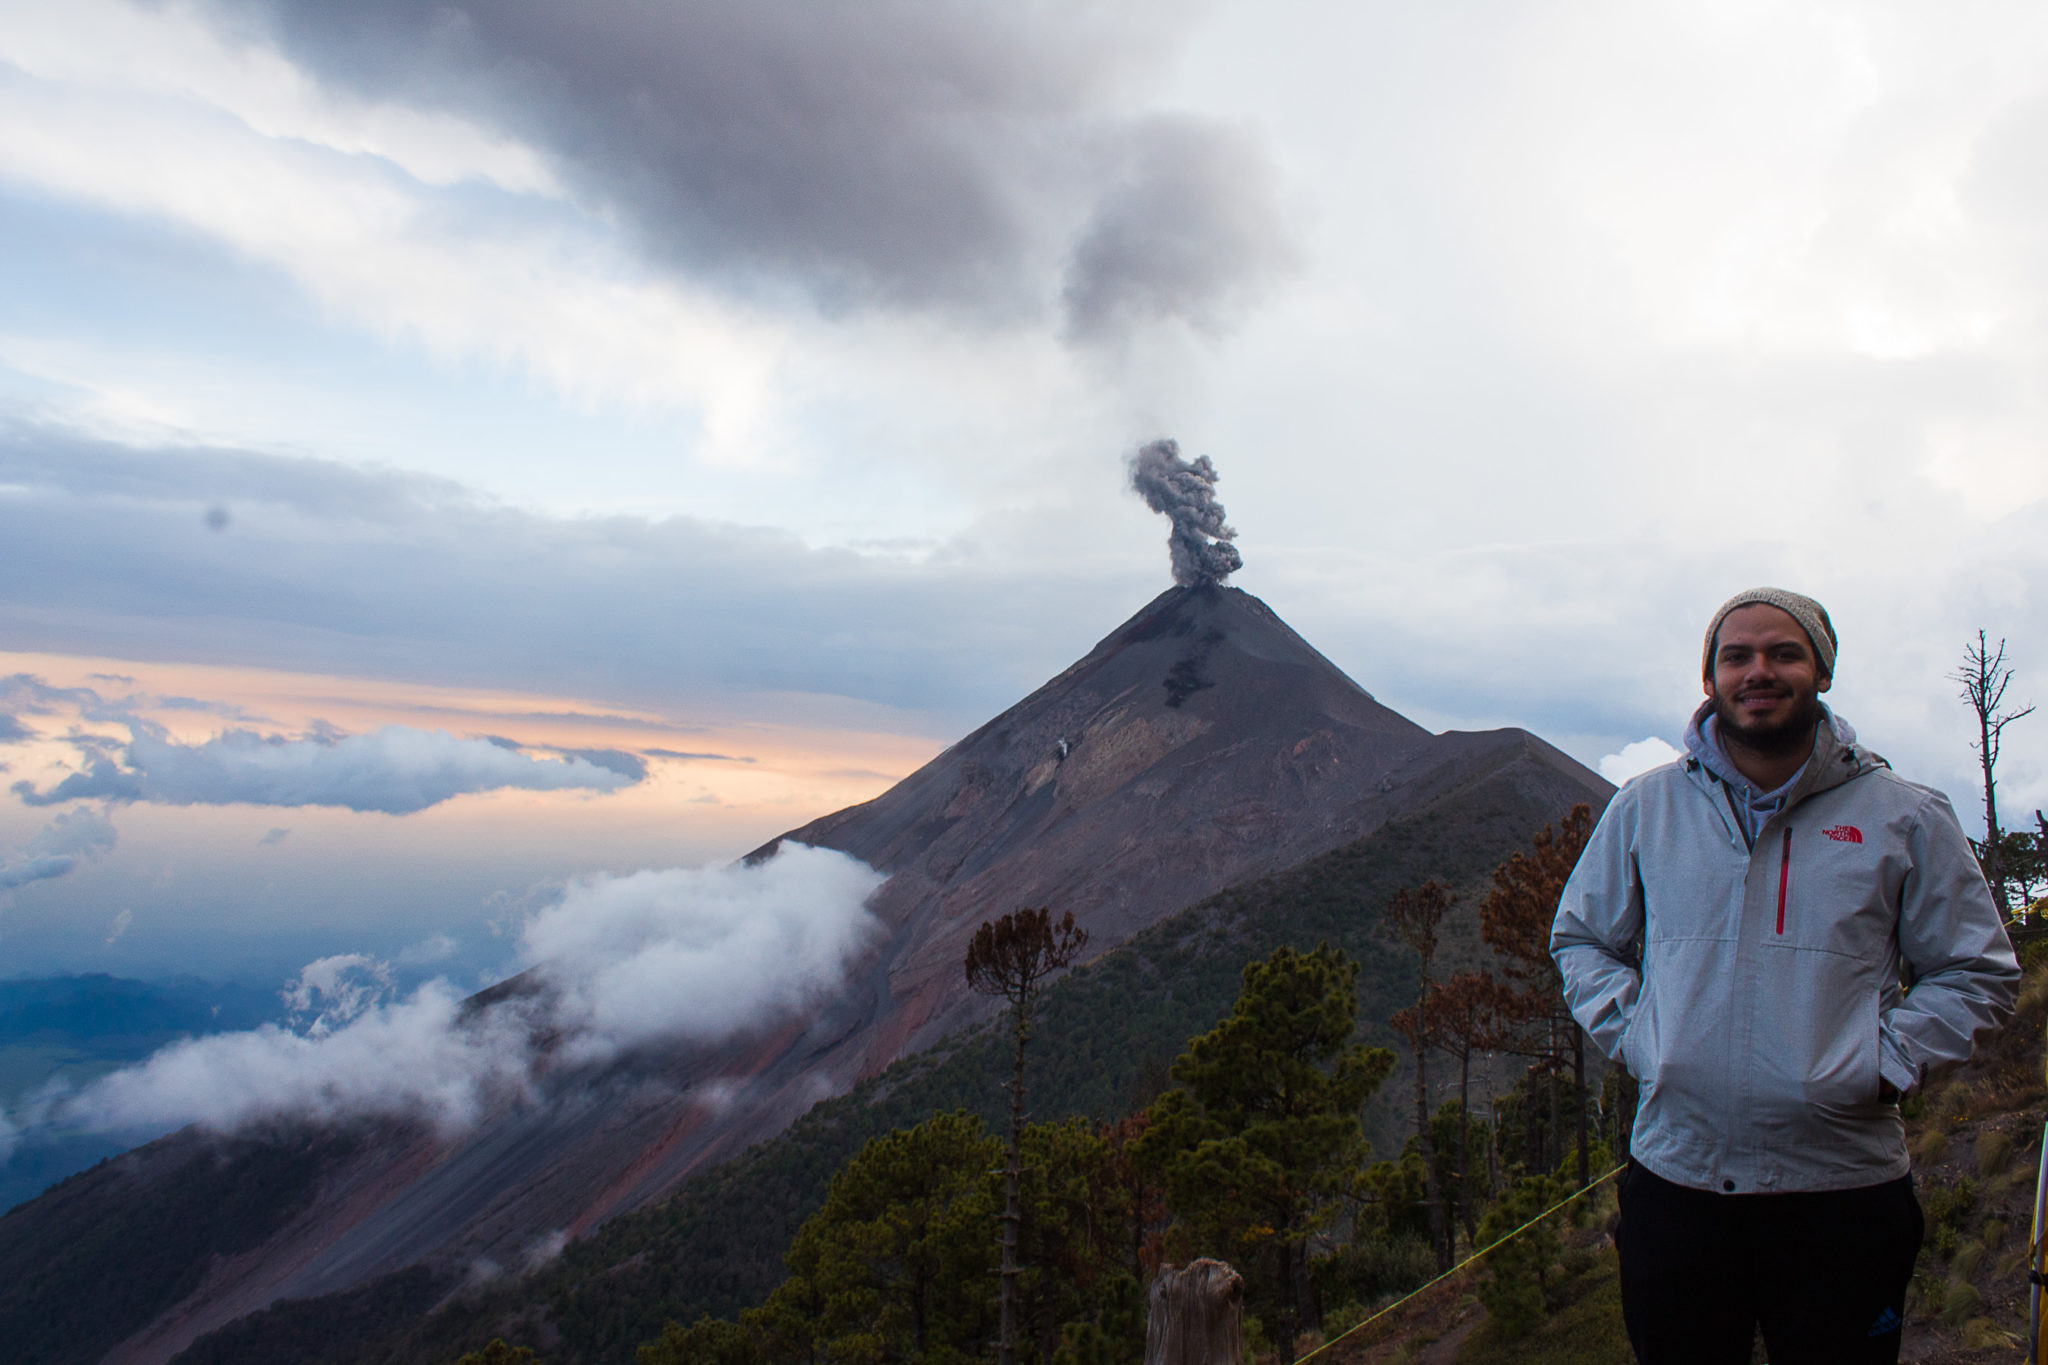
(1766, 683)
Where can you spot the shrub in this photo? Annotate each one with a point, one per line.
(1947, 1204)
(1928, 1294)
(498, 1353)
(1994, 1150)
(1942, 1241)
(1374, 1265)
(1960, 1304)
(1982, 1334)
(1513, 1285)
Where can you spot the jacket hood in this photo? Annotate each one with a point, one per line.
(1837, 756)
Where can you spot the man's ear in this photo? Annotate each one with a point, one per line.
(1824, 684)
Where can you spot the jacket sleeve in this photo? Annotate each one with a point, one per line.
(1597, 936)
(1951, 936)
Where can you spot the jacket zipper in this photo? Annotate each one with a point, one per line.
(1784, 876)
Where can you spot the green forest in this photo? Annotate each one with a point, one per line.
(1254, 1153)
(1106, 1036)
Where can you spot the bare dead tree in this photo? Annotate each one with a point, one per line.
(1011, 957)
(1472, 1012)
(1413, 918)
(1515, 922)
(1984, 677)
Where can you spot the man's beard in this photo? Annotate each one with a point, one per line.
(1767, 738)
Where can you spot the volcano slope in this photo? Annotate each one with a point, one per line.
(1200, 746)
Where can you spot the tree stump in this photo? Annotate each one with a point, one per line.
(1196, 1316)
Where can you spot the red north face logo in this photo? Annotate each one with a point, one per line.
(1847, 834)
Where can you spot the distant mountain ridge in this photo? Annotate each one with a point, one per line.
(73, 1028)
(92, 1008)
(1201, 745)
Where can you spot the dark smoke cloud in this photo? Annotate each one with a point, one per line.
(1190, 231)
(1186, 493)
(967, 158)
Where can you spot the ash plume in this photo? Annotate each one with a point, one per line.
(1186, 493)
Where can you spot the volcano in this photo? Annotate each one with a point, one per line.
(1201, 744)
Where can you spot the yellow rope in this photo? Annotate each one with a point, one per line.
(1500, 1241)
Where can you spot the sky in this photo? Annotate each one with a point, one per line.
(457, 458)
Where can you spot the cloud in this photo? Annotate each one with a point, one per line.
(680, 755)
(276, 834)
(1190, 231)
(335, 991)
(32, 694)
(348, 570)
(899, 155)
(616, 963)
(437, 948)
(12, 730)
(72, 839)
(120, 925)
(20, 871)
(629, 766)
(701, 954)
(1637, 758)
(420, 1057)
(396, 770)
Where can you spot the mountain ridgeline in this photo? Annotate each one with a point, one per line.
(1202, 786)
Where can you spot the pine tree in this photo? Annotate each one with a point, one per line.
(1263, 1131)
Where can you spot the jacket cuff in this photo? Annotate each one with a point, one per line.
(1895, 1069)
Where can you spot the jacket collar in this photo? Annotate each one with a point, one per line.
(1837, 757)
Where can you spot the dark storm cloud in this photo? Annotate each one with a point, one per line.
(900, 153)
(358, 572)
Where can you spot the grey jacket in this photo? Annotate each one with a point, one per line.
(1768, 1002)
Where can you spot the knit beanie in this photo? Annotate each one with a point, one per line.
(1811, 616)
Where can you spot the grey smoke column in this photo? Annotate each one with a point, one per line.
(1202, 552)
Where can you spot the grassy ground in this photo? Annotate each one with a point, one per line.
(1585, 1330)
(1976, 1143)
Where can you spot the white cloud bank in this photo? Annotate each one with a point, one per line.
(396, 770)
(618, 962)
(1636, 759)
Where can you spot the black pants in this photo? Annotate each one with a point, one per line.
(1823, 1274)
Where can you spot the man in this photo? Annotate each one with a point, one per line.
(1773, 885)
